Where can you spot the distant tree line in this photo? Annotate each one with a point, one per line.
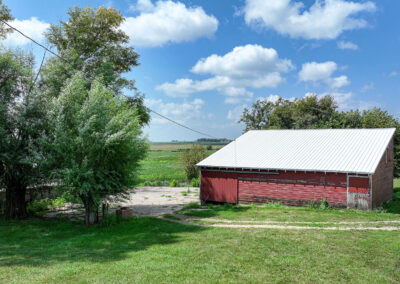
(212, 140)
(318, 112)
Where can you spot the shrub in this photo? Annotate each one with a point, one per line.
(209, 147)
(58, 202)
(195, 182)
(190, 158)
(173, 183)
(38, 207)
(324, 204)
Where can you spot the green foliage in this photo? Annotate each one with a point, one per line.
(5, 15)
(190, 158)
(38, 207)
(22, 124)
(318, 112)
(195, 182)
(324, 204)
(96, 144)
(58, 202)
(173, 183)
(93, 43)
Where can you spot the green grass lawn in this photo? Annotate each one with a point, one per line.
(282, 213)
(149, 250)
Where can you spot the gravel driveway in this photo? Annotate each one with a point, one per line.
(155, 201)
(143, 201)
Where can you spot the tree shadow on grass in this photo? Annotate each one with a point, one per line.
(38, 243)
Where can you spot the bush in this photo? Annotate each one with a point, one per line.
(209, 147)
(38, 207)
(173, 183)
(195, 182)
(190, 158)
(324, 204)
(58, 202)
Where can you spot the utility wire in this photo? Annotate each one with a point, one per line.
(40, 68)
(64, 60)
(41, 45)
(184, 126)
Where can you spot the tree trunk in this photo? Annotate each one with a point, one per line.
(91, 214)
(15, 202)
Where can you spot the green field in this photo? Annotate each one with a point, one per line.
(162, 163)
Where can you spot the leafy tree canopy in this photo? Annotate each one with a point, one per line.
(92, 42)
(190, 158)
(5, 15)
(318, 112)
(22, 124)
(97, 143)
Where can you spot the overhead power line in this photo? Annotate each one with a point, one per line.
(66, 61)
(184, 126)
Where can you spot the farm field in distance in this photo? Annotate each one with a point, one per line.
(162, 163)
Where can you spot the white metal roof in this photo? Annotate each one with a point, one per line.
(326, 150)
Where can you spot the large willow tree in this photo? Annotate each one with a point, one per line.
(96, 144)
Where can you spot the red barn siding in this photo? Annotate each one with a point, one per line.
(382, 180)
(287, 187)
(296, 188)
(219, 187)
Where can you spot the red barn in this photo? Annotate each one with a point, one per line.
(350, 168)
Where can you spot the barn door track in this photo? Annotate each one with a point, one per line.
(393, 225)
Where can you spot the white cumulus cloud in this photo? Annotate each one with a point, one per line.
(32, 27)
(315, 71)
(235, 113)
(323, 20)
(181, 112)
(347, 45)
(249, 66)
(167, 22)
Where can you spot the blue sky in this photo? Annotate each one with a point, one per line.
(202, 61)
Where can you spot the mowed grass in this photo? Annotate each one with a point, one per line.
(280, 213)
(149, 250)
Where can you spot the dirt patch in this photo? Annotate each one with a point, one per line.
(143, 201)
(267, 224)
(156, 201)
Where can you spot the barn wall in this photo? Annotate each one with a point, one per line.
(294, 188)
(219, 186)
(382, 180)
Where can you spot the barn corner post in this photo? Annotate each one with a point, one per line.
(200, 191)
